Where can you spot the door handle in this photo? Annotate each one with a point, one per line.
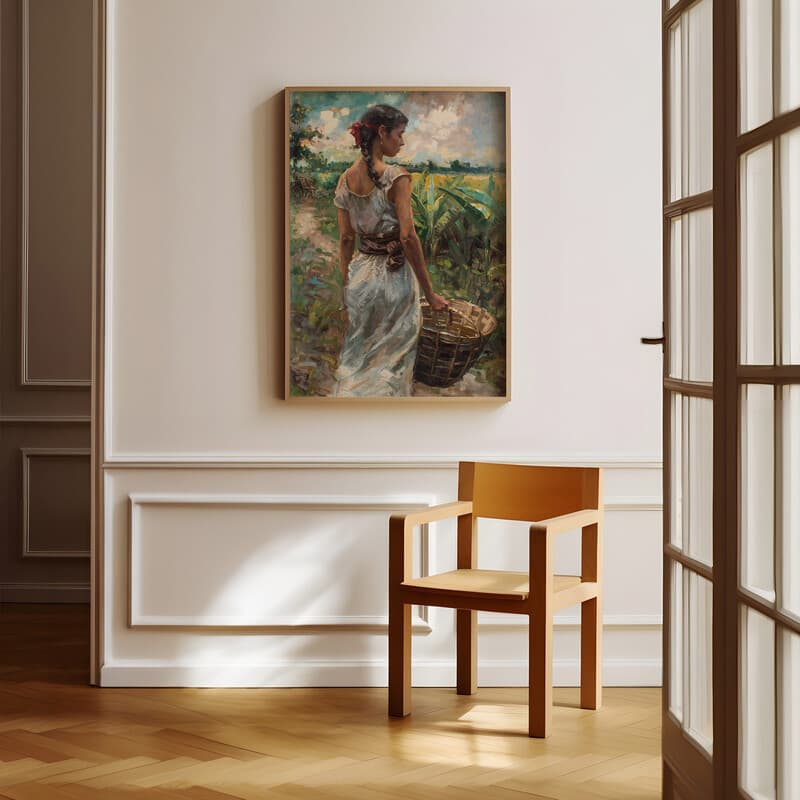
(654, 339)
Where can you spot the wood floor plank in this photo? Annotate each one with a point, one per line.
(206, 772)
(20, 767)
(33, 791)
(40, 771)
(98, 770)
(34, 745)
(128, 776)
(216, 748)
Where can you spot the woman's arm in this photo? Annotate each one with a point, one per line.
(412, 247)
(347, 243)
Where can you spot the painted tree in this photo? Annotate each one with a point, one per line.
(301, 136)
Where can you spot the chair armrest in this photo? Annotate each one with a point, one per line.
(432, 514)
(541, 550)
(567, 522)
(401, 529)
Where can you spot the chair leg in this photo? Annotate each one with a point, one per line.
(466, 652)
(591, 654)
(399, 659)
(540, 673)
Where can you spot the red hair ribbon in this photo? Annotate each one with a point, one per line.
(356, 127)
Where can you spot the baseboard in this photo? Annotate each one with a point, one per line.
(566, 672)
(44, 592)
(187, 460)
(616, 672)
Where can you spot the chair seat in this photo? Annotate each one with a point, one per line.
(500, 585)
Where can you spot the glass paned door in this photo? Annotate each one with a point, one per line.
(688, 395)
(731, 725)
(768, 385)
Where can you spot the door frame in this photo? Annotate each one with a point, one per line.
(97, 572)
(725, 666)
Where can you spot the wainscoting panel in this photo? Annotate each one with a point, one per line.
(56, 502)
(55, 333)
(274, 570)
(45, 508)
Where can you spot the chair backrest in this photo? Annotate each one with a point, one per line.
(530, 493)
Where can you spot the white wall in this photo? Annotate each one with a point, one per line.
(195, 330)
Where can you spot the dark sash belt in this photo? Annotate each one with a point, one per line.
(384, 244)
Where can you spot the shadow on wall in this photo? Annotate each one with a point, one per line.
(327, 572)
(268, 175)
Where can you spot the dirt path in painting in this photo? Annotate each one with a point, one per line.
(307, 226)
(312, 359)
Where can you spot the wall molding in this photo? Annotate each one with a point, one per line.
(284, 502)
(44, 592)
(644, 503)
(27, 454)
(401, 503)
(341, 673)
(489, 620)
(279, 624)
(12, 419)
(205, 461)
(103, 22)
(25, 379)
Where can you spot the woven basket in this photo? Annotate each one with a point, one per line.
(451, 341)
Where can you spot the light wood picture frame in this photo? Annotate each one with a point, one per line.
(358, 324)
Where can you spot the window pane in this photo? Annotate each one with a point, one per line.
(789, 722)
(700, 79)
(790, 57)
(790, 563)
(755, 63)
(757, 768)
(700, 489)
(690, 102)
(790, 240)
(676, 112)
(691, 296)
(676, 310)
(701, 295)
(700, 722)
(757, 257)
(758, 490)
(677, 433)
(676, 641)
(691, 476)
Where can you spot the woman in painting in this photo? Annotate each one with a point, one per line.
(381, 294)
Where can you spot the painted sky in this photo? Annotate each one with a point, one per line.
(442, 126)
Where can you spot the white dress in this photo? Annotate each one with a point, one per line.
(383, 308)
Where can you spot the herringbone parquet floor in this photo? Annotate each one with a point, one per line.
(63, 740)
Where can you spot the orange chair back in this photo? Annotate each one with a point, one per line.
(529, 493)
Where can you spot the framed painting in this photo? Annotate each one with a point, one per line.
(397, 243)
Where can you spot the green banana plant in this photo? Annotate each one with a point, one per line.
(485, 215)
(432, 214)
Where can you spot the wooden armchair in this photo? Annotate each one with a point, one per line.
(554, 500)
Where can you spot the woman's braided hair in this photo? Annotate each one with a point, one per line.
(366, 129)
